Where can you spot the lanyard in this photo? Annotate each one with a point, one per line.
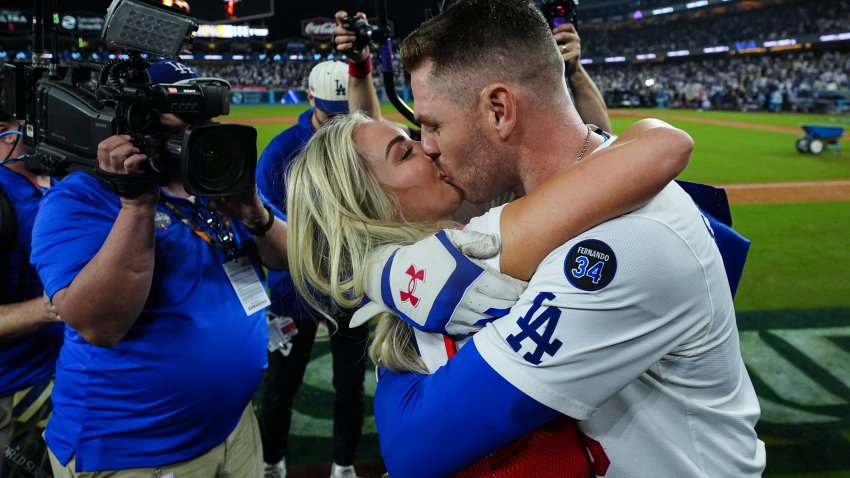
(206, 224)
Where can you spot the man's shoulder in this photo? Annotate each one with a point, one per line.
(79, 187)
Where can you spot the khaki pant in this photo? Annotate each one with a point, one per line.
(239, 456)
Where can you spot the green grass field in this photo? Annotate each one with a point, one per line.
(793, 302)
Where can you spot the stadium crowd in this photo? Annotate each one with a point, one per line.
(803, 80)
(703, 28)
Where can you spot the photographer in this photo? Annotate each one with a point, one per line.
(30, 331)
(164, 300)
(586, 95)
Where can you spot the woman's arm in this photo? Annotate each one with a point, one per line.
(609, 183)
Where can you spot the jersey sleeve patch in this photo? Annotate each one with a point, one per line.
(590, 265)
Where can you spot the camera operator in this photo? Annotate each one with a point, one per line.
(164, 300)
(30, 330)
(586, 95)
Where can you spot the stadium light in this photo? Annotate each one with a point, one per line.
(783, 42)
(650, 82)
(678, 53)
(835, 37)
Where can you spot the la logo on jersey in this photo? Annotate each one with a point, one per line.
(415, 275)
(531, 324)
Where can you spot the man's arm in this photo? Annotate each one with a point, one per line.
(361, 91)
(108, 295)
(267, 231)
(588, 99)
(24, 318)
(435, 425)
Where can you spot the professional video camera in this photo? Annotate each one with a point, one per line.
(365, 34)
(559, 12)
(70, 109)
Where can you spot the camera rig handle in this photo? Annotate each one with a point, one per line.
(385, 55)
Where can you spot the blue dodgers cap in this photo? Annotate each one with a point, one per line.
(328, 83)
(170, 72)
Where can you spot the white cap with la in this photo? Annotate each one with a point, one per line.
(328, 83)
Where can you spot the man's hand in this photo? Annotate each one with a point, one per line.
(344, 39)
(435, 287)
(569, 44)
(117, 155)
(246, 208)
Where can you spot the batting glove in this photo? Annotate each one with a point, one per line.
(435, 287)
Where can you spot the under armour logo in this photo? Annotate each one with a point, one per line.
(548, 318)
(411, 286)
(340, 88)
(181, 68)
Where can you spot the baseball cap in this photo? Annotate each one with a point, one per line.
(328, 82)
(170, 72)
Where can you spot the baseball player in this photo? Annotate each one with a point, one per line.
(628, 328)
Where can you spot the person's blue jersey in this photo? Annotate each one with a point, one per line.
(27, 360)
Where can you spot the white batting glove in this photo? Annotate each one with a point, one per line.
(435, 287)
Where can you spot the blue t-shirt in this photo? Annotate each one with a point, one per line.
(31, 359)
(176, 385)
(271, 168)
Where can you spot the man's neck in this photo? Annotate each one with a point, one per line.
(36, 179)
(544, 159)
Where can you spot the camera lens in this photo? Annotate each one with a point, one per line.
(215, 162)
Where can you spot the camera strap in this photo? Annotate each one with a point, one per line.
(206, 224)
(129, 186)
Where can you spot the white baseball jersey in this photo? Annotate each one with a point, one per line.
(630, 328)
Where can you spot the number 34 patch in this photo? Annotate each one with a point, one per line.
(590, 265)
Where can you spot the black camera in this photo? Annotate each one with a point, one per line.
(70, 110)
(559, 12)
(365, 34)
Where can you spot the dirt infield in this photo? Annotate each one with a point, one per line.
(758, 193)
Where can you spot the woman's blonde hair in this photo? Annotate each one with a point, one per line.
(337, 214)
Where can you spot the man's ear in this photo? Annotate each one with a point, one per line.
(5, 127)
(499, 105)
(310, 98)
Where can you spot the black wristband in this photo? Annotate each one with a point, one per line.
(265, 228)
(129, 186)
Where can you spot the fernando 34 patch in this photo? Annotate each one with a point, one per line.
(590, 265)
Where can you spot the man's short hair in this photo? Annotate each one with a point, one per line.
(474, 42)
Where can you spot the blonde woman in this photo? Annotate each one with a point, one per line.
(359, 185)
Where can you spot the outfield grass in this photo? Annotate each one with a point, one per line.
(799, 257)
(784, 119)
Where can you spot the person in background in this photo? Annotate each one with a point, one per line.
(587, 98)
(30, 329)
(292, 323)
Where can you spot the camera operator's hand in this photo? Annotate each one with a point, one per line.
(569, 44)
(344, 39)
(268, 231)
(245, 208)
(117, 155)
